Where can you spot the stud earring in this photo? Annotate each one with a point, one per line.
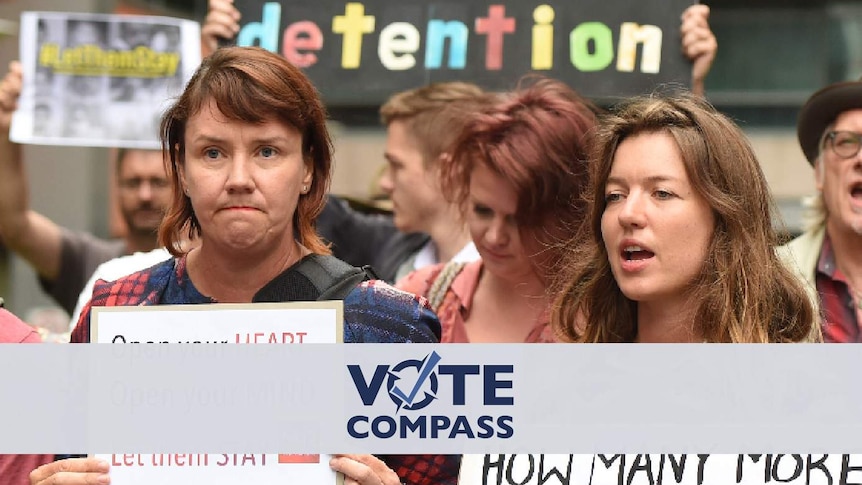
(304, 189)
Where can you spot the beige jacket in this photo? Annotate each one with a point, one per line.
(801, 256)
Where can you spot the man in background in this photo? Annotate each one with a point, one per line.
(828, 255)
(65, 259)
(421, 125)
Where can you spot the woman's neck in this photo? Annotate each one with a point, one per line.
(505, 311)
(663, 322)
(449, 239)
(234, 278)
(528, 287)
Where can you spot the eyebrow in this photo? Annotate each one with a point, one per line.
(270, 140)
(651, 179)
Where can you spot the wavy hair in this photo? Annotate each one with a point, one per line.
(252, 85)
(536, 138)
(743, 293)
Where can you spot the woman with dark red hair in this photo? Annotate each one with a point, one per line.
(517, 171)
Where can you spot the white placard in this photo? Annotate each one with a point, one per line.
(219, 469)
(660, 469)
(100, 80)
(278, 323)
(259, 323)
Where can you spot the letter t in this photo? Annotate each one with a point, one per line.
(495, 25)
(352, 24)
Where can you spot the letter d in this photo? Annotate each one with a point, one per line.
(265, 31)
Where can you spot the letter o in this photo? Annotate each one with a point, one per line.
(796, 471)
(579, 40)
(376, 425)
(530, 471)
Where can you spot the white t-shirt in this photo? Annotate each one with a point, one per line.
(427, 255)
(113, 270)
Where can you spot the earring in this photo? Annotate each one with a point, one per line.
(304, 189)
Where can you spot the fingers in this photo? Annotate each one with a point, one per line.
(698, 48)
(698, 43)
(11, 83)
(696, 11)
(72, 471)
(10, 89)
(697, 37)
(222, 22)
(220, 25)
(363, 470)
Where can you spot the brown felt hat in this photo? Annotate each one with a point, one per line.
(821, 109)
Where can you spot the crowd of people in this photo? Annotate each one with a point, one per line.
(524, 216)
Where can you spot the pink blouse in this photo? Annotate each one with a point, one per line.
(459, 299)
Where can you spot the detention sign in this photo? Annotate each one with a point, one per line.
(360, 53)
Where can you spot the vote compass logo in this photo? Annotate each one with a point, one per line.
(434, 400)
(415, 397)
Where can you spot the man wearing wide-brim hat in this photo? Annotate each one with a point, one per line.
(829, 254)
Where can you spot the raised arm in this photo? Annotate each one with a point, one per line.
(698, 44)
(222, 22)
(34, 237)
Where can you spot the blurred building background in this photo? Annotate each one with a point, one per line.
(772, 55)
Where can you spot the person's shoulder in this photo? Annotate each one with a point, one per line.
(420, 280)
(86, 239)
(379, 292)
(133, 288)
(130, 263)
(13, 330)
(407, 242)
(378, 312)
(803, 246)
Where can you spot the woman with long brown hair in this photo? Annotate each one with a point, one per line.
(679, 245)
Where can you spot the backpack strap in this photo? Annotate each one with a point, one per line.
(342, 277)
(442, 283)
(314, 277)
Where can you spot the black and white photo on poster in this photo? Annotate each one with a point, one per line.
(100, 80)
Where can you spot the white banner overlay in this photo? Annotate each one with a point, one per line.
(421, 398)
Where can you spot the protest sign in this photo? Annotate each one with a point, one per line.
(273, 323)
(360, 53)
(661, 469)
(100, 80)
(282, 323)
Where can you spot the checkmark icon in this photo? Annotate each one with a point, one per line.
(425, 370)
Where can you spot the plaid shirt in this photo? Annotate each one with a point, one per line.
(842, 312)
(374, 312)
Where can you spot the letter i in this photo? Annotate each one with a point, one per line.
(543, 37)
